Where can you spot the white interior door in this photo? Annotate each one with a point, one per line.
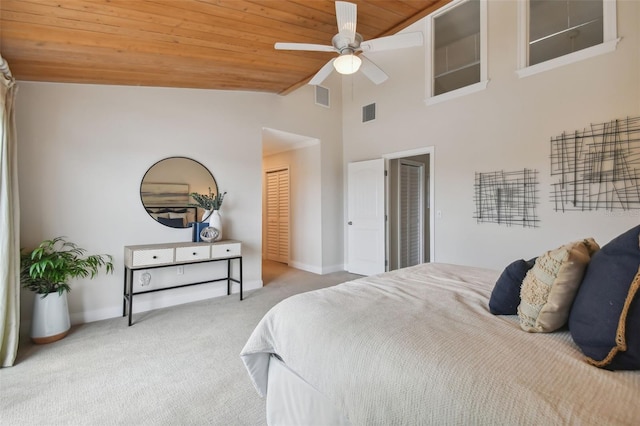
(277, 236)
(365, 217)
(411, 213)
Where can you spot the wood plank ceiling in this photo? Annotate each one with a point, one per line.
(210, 44)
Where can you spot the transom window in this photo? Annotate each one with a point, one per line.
(456, 50)
(557, 27)
(456, 39)
(557, 32)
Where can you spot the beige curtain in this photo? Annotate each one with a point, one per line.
(9, 222)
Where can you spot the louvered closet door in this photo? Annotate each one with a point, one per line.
(410, 206)
(277, 244)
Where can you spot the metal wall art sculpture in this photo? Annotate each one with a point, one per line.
(507, 198)
(597, 168)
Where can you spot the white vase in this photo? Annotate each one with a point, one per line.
(215, 221)
(50, 320)
(206, 216)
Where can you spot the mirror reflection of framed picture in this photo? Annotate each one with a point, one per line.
(164, 194)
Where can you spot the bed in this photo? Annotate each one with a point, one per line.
(174, 216)
(419, 346)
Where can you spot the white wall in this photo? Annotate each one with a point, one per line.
(305, 249)
(83, 150)
(507, 127)
(327, 127)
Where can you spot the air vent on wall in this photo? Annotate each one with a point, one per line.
(368, 112)
(322, 96)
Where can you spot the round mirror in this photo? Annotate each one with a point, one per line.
(166, 186)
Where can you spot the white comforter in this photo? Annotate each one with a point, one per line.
(419, 346)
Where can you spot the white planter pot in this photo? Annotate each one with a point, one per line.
(50, 321)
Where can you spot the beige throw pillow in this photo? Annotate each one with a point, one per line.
(549, 287)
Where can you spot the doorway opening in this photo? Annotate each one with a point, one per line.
(410, 239)
(390, 220)
(291, 209)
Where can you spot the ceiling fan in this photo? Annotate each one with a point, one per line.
(348, 43)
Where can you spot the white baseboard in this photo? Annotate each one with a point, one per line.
(320, 270)
(164, 299)
(305, 267)
(333, 268)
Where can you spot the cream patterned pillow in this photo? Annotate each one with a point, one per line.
(549, 287)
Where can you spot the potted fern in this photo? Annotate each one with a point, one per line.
(46, 271)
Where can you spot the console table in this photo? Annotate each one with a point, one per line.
(152, 256)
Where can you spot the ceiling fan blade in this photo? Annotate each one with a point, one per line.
(372, 71)
(323, 73)
(346, 15)
(304, 46)
(397, 41)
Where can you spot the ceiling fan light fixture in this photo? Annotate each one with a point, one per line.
(347, 64)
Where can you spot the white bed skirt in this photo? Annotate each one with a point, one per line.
(293, 401)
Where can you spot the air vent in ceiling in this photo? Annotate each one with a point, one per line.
(368, 112)
(322, 96)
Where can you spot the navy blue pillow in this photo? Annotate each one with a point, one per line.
(505, 296)
(599, 322)
(174, 223)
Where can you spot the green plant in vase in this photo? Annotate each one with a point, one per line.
(46, 271)
(211, 204)
(207, 202)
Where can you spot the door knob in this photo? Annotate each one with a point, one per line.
(349, 223)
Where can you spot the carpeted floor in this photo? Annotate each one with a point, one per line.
(174, 366)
